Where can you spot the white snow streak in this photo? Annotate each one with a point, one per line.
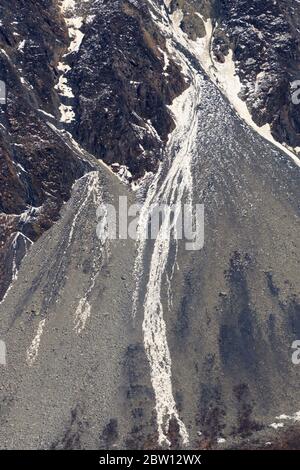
(14, 269)
(82, 314)
(33, 350)
(177, 185)
(21, 45)
(93, 190)
(173, 187)
(276, 425)
(231, 85)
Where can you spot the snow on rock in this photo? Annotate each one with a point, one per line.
(166, 60)
(67, 113)
(122, 172)
(21, 45)
(295, 417)
(74, 23)
(221, 440)
(46, 114)
(33, 350)
(276, 425)
(82, 314)
(229, 82)
(92, 189)
(18, 238)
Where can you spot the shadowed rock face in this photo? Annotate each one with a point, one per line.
(123, 86)
(207, 354)
(264, 37)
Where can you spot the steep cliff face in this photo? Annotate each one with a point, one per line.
(122, 82)
(94, 69)
(112, 343)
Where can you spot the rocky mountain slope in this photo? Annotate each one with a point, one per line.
(117, 344)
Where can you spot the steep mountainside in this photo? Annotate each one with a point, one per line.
(117, 344)
(112, 98)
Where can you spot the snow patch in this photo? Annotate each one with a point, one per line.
(221, 440)
(62, 86)
(67, 113)
(231, 86)
(33, 350)
(21, 45)
(295, 417)
(276, 425)
(74, 25)
(82, 314)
